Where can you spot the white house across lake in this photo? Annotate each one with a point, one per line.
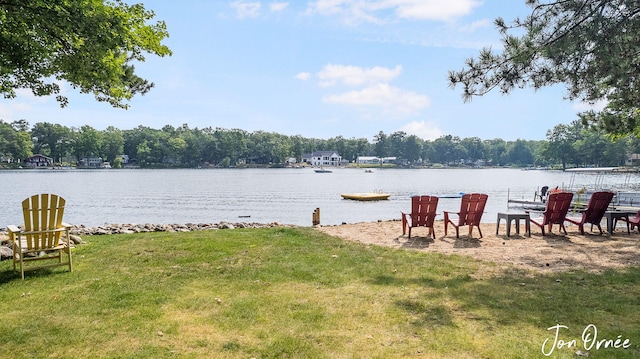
(322, 158)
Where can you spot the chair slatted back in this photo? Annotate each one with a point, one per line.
(472, 208)
(558, 205)
(423, 210)
(597, 206)
(42, 220)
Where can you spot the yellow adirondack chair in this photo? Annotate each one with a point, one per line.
(44, 238)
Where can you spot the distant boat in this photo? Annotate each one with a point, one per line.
(322, 170)
(368, 196)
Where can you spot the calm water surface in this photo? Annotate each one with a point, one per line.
(96, 197)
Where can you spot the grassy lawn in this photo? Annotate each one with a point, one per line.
(297, 293)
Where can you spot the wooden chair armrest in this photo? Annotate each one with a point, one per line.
(13, 229)
(572, 220)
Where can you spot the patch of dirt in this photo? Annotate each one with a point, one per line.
(554, 252)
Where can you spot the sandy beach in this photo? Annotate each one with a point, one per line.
(592, 251)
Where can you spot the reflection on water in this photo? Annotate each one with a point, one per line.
(96, 197)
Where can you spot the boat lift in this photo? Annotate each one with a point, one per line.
(601, 172)
(626, 196)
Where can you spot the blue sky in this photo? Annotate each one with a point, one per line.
(319, 69)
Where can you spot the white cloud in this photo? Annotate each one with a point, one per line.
(475, 26)
(374, 95)
(22, 105)
(425, 130)
(432, 9)
(356, 76)
(12, 109)
(383, 96)
(379, 11)
(304, 76)
(246, 9)
(278, 6)
(329, 7)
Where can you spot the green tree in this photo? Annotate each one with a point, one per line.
(143, 151)
(382, 145)
(177, 147)
(15, 141)
(448, 150)
(112, 143)
(90, 44)
(474, 148)
(6, 138)
(22, 145)
(397, 142)
(561, 143)
(615, 152)
(268, 147)
(591, 46)
(194, 141)
(590, 148)
(413, 148)
(496, 150)
(232, 144)
(428, 152)
(520, 154)
(133, 138)
(53, 140)
(88, 142)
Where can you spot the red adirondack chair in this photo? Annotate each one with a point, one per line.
(556, 211)
(471, 210)
(423, 214)
(594, 212)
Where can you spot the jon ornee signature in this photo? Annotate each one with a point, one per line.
(588, 341)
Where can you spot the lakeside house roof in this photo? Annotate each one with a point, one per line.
(324, 153)
(39, 157)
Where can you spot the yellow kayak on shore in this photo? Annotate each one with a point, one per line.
(369, 196)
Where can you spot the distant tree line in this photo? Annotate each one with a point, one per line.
(566, 145)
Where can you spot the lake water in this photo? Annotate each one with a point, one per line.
(288, 196)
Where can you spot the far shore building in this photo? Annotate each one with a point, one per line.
(306, 158)
(90, 162)
(323, 158)
(633, 159)
(39, 160)
(368, 160)
(372, 160)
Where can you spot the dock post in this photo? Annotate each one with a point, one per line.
(315, 218)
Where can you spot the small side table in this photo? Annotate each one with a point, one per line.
(508, 217)
(614, 216)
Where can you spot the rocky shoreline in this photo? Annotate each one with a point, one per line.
(107, 229)
(77, 231)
